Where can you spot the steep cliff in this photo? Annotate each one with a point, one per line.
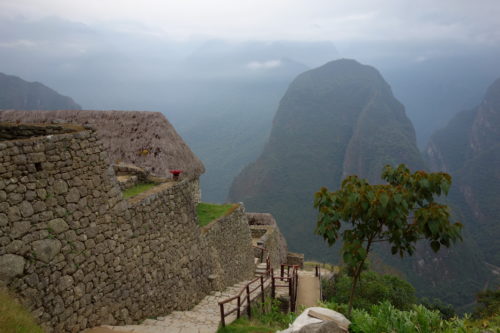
(334, 120)
(469, 148)
(337, 120)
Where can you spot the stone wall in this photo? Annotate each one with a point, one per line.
(230, 244)
(79, 255)
(264, 226)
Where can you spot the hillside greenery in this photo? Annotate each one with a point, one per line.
(14, 318)
(398, 213)
(207, 212)
(373, 288)
(316, 140)
(137, 189)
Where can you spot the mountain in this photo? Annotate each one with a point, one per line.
(469, 148)
(336, 120)
(15, 93)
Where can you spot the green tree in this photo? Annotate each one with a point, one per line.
(400, 212)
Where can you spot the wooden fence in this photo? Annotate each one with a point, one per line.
(255, 289)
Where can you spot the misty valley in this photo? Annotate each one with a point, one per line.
(272, 122)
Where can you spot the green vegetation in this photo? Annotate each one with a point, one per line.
(488, 304)
(373, 288)
(331, 123)
(207, 212)
(386, 318)
(139, 188)
(13, 316)
(269, 320)
(400, 213)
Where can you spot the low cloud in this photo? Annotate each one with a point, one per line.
(257, 65)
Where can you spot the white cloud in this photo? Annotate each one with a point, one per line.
(256, 65)
(357, 20)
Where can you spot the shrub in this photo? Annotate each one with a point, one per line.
(386, 318)
(488, 304)
(446, 310)
(373, 289)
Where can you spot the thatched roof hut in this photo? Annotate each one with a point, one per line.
(145, 139)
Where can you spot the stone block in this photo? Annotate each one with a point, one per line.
(58, 225)
(46, 249)
(11, 265)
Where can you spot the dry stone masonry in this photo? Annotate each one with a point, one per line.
(79, 255)
(230, 244)
(266, 234)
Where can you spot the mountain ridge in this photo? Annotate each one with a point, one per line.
(16, 93)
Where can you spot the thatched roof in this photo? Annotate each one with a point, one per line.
(145, 139)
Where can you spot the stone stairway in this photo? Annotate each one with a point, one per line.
(203, 318)
(260, 269)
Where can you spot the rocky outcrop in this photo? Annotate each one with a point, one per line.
(144, 139)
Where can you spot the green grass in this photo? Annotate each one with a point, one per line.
(244, 325)
(271, 320)
(139, 188)
(208, 212)
(14, 318)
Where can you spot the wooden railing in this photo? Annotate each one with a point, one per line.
(243, 302)
(262, 253)
(244, 299)
(256, 288)
(292, 280)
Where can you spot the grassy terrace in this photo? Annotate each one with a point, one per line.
(139, 188)
(208, 212)
(14, 318)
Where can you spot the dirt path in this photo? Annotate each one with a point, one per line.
(308, 293)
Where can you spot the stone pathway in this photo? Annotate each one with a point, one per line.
(308, 293)
(203, 318)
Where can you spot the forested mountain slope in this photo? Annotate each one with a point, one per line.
(469, 148)
(336, 120)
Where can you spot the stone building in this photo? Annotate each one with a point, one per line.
(78, 253)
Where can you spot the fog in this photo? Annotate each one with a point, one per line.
(218, 69)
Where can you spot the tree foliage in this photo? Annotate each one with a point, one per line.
(400, 212)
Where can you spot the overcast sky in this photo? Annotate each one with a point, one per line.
(471, 21)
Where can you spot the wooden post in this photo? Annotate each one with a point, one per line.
(282, 272)
(239, 305)
(316, 271)
(222, 319)
(273, 287)
(249, 310)
(262, 289)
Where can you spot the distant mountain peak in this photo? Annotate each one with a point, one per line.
(18, 94)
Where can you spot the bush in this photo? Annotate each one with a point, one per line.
(372, 289)
(386, 318)
(488, 304)
(265, 318)
(445, 310)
